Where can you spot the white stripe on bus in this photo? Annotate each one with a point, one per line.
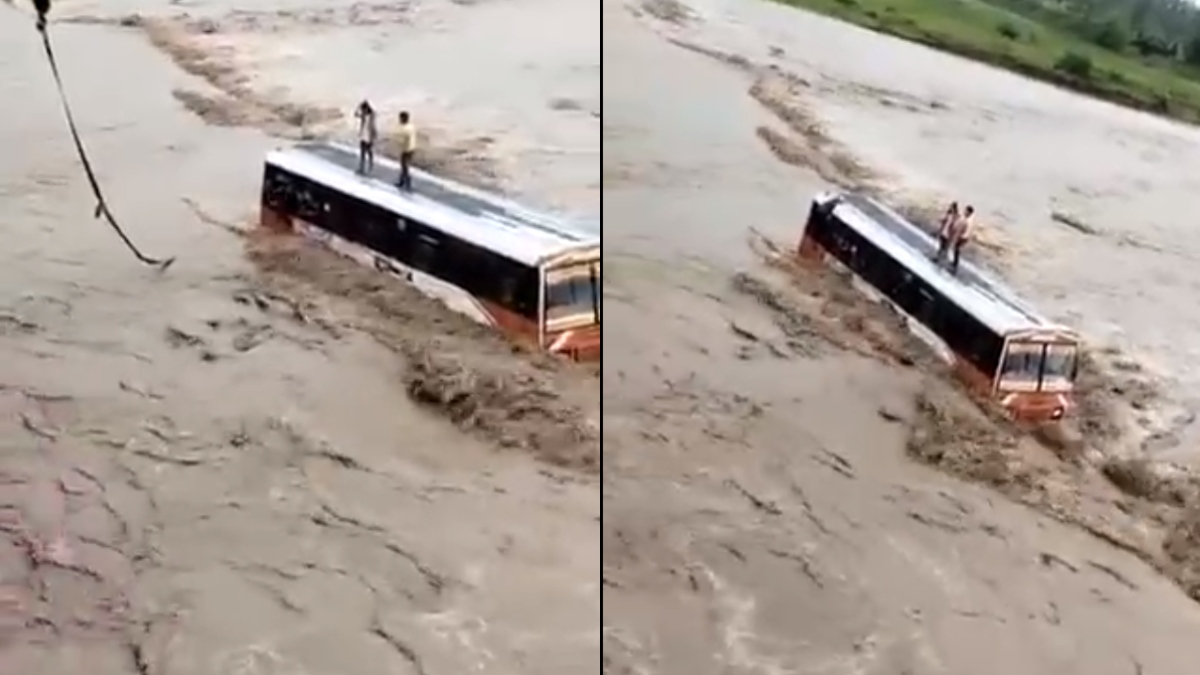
(560, 342)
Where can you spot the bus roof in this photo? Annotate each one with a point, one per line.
(976, 292)
(527, 236)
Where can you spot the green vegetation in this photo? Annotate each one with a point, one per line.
(1139, 53)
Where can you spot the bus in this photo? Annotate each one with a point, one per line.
(1000, 347)
(532, 276)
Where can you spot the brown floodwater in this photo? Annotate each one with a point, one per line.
(758, 497)
(196, 482)
(935, 127)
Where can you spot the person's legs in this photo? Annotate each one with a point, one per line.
(370, 155)
(363, 150)
(943, 245)
(405, 174)
(957, 254)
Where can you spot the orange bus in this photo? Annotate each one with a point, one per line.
(1000, 347)
(532, 276)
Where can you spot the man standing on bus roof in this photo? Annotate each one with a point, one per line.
(367, 132)
(947, 219)
(960, 234)
(408, 146)
(943, 234)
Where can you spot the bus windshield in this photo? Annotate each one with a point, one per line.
(1060, 364)
(1039, 366)
(573, 294)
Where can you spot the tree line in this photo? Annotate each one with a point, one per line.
(1162, 30)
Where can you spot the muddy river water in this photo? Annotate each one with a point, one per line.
(193, 481)
(757, 498)
(936, 128)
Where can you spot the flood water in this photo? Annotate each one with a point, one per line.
(938, 128)
(195, 483)
(761, 498)
(360, 534)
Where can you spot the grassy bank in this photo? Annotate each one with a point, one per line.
(1037, 49)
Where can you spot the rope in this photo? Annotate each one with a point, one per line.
(43, 6)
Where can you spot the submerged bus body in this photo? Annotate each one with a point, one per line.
(528, 274)
(1000, 346)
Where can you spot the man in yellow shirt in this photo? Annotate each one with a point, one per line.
(408, 146)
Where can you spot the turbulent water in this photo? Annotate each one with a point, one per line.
(213, 471)
(758, 497)
(1117, 264)
(199, 474)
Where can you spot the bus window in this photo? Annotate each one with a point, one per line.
(512, 286)
(969, 337)
(303, 203)
(424, 255)
(370, 225)
(277, 189)
(1023, 363)
(1061, 363)
(926, 309)
(352, 220)
(573, 293)
(526, 301)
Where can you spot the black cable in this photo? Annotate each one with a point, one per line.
(43, 6)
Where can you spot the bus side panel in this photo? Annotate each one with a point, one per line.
(972, 342)
(483, 311)
(513, 325)
(452, 296)
(272, 214)
(810, 248)
(541, 308)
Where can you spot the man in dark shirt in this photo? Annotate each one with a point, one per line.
(367, 131)
(943, 235)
